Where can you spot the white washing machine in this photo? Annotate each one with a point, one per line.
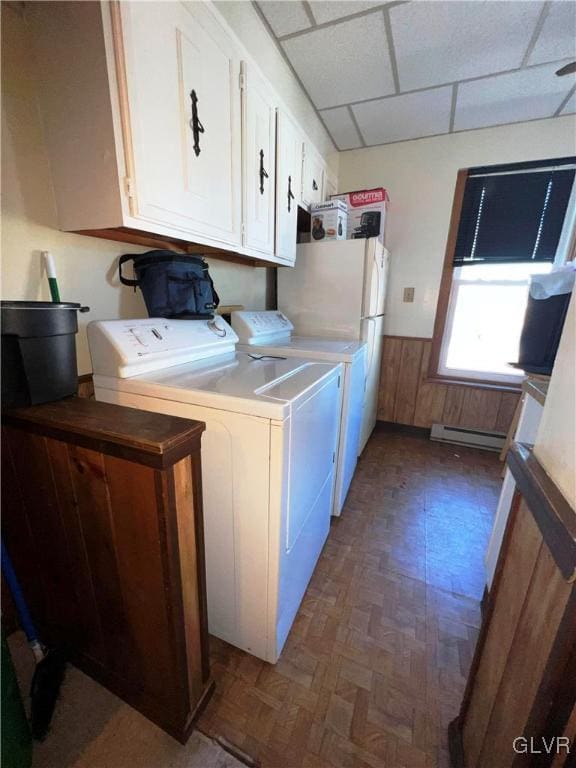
(268, 462)
(270, 333)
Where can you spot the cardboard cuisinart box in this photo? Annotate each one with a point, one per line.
(328, 220)
(366, 212)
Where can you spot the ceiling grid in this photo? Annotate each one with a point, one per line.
(379, 73)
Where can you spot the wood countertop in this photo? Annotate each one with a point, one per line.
(155, 438)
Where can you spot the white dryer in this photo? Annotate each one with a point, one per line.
(268, 459)
(269, 333)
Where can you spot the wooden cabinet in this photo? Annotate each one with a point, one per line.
(102, 515)
(288, 185)
(181, 75)
(313, 169)
(259, 161)
(521, 692)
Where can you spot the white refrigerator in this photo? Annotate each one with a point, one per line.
(338, 289)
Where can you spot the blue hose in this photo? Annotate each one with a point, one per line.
(50, 664)
(14, 586)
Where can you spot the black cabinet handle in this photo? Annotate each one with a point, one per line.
(314, 185)
(290, 195)
(263, 174)
(195, 124)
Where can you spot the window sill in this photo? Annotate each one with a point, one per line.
(498, 386)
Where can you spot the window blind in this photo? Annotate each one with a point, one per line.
(512, 217)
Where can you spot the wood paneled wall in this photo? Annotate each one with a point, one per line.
(521, 681)
(407, 397)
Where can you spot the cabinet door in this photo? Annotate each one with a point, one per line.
(330, 185)
(183, 113)
(259, 162)
(312, 175)
(288, 185)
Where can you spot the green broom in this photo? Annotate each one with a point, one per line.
(52, 278)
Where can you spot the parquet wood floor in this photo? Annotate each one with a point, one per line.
(376, 662)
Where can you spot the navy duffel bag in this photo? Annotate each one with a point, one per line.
(174, 285)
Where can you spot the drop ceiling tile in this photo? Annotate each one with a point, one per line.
(343, 63)
(410, 116)
(570, 107)
(341, 127)
(557, 38)
(511, 98)
(441, 42)
(329, 10)
(285, 17)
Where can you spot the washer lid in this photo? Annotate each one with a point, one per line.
(233, 382)
(314, 347)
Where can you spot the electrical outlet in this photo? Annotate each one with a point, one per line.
(408, 295)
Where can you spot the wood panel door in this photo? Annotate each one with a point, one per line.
(288, 185)
(183, 107)
(259, 161)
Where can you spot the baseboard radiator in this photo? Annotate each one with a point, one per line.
(474, 438)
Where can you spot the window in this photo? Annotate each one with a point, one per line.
(512, 224)
(484, 321)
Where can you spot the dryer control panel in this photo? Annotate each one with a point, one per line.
(123, 348)
(261, 326)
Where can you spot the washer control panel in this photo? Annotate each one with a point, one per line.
(258, 327)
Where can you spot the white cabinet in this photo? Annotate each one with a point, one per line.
(288, 185)
(183, 102)
(529, 420)
(313, 167)
(259, 161)
(330, 184)
(151, 138)
(141, 103)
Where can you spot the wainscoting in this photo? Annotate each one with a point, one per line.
(407, 397)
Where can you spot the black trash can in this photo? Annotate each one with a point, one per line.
(546, 311)
(543, 325)
(38, 351)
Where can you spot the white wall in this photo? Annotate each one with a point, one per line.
(250, 29)
(555, 445)
(420, 176)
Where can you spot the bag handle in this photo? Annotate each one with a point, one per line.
(156, 256)
(208, 275)
(126, 280)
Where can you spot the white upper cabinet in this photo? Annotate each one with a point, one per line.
(330, 184)
(313, 168)
(183, 104)
(259, 161)
(288, 185)
(159, 126)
